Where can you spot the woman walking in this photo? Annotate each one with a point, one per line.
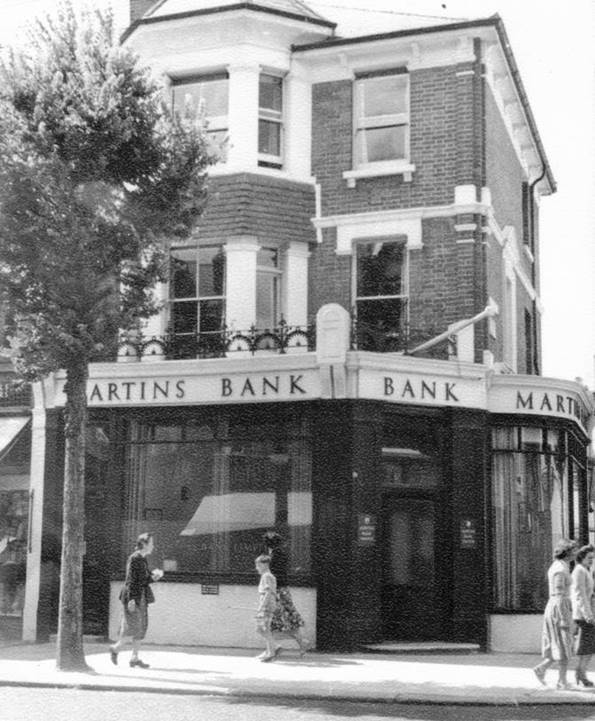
(581, 596)
(556, 639)
(135, 597)
(286, 618)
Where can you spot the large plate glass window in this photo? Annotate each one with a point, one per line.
(539, 496)
(268, 287)
(270, 121)
(209, 486)
(381, 118)
(381, 293)
(206, 98)
(197, 297)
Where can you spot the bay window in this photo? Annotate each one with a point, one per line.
(206, 98)
(270, 120)
(268, 287)
(197, 299)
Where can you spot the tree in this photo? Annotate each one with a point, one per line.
(96, 175)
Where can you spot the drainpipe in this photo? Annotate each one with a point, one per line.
(533, 273)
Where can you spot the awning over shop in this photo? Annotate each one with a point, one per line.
(10, 429)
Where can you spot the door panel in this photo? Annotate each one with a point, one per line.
(411, 601)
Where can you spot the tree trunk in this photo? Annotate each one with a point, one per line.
(70, 653)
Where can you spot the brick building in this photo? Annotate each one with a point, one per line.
(349, 350)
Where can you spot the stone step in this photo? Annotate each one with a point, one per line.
(420, 647)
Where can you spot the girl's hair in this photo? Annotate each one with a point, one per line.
(264, 559)
(583, 551)
(272, 539)
(143, 540)
(564, 548)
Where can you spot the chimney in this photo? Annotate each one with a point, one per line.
(139, 7)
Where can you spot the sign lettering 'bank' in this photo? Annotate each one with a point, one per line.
(503, 394)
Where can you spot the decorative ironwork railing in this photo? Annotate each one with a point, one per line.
(281, 339)
(14, 393)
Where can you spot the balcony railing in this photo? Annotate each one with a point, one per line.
(402, 339)
(281, 339)
(14, 393)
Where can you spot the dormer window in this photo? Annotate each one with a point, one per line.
(270, 121)
(206, 98)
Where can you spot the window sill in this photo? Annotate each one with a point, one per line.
(374, 171)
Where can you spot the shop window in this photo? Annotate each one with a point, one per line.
(197, 300)
(268, 288)
(211, 495)
(381, 294)
(381, 118)
(14, 522)
(206, 99)
(538, 489)
(270, 121)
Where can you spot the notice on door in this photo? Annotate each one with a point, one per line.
(468, 534)
(366, 529)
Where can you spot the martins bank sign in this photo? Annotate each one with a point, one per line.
(477, 389)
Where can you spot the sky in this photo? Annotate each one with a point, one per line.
(554, 48)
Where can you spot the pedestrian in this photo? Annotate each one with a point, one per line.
(556, 638)
(267, 589)
(581, 596)
(286, 619)
(135, 596)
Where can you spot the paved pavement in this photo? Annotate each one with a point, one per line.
(477, 678)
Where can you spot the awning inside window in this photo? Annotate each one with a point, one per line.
(10, 429)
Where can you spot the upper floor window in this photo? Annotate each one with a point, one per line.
(206, 97)
(270, 120)
(381, 118)
(268, 288)
(197, 298)
(381, 293)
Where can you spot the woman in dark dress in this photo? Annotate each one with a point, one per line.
(135, 597)
(286, 618)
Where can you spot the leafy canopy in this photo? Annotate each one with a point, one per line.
(96, 175)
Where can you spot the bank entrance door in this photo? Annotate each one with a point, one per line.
(415, 589)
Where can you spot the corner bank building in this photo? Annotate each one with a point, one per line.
(348, 352)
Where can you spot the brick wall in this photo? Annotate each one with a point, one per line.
(441, 144)
(269, 208)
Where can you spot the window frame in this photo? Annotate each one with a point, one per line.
(395, 166)
(403, 296)
(277, 273)
(269, 115)
(215, 124)
(198, 299)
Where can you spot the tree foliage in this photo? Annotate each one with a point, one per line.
(96, 174)
(96, 177)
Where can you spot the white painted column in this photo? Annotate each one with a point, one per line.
(297, 123)
(240, 298)
(243, 118)
(296, 284)
(157, 324)
(36, 492)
